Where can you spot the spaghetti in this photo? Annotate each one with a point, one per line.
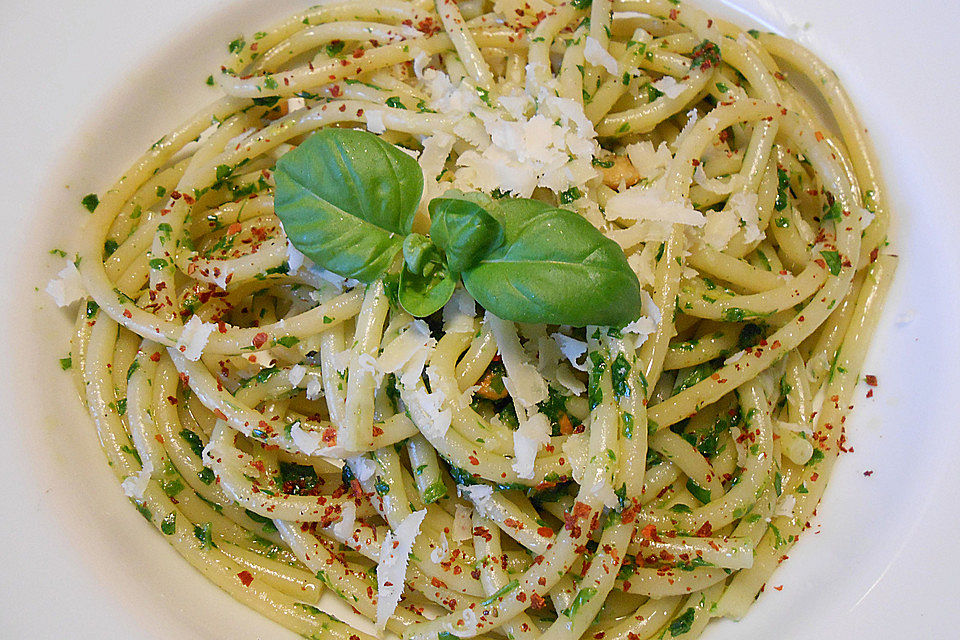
(292, 432)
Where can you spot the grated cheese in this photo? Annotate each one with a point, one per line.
(194, 338)
(362, 467)
(310, 442)
(653, 204)
(533, 433)
(597, 55)
(572, 349)
(669, 87)
(134, 486)
(296, 374)
(374, 121)
(67, 287)
(343, 529)
(314, 387)
(481, 495)
(392, 568)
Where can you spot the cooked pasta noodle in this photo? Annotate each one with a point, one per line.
(291, 432)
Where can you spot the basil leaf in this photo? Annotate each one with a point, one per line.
(554, 267)
(419, 253)
(422, 295)
(346, 199)
(464, 229)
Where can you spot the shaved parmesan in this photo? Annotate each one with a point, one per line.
(720, 228)
(134, 486)
(295, 258)
(392, 568)
(597, 55)
(67, 287)
(548, 142)
(366, 363)
(572, 349)
(745, 206)
(408, 352)
(532, 434)
(426, 410)
(480, 495)
(374, 121)
(459, 312)
(314, 387)
(296, 374)
(194, 337)
(575, 449)
(309, 442)
(669, 87)
(652, 203)
(650, 163)
(362, 467)
(348, 520)
(523, 381)
(441, 551)
(734, 358)
(785, 506)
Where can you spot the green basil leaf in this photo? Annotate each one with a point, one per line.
(422, 295)
(554, 267)
(346, 199)
(464, 229)
(420, 255)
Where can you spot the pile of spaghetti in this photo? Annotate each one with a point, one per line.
(291, 431)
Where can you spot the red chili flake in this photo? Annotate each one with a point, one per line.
(259, 340)
(329, 436)
(870, 380)
(188, 199)
(377, 431)
(473, 460)
(220, 414)
(779, 587)
(245, 578)
(234, 228)
(159, 438)
(172, 399)
(176, 195)
(705, 530)
(868, 473)
(513, 524)
(155, 357)
(649, 532)
(343, 107)
(545, 532)
(537, 601)
(869, 393)
(127, 314)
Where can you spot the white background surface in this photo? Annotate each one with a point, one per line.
(89, 85)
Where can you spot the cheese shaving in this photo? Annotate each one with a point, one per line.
(194, 338)
(392, 567)
(67, 287)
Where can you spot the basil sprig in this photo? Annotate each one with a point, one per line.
(347, 200)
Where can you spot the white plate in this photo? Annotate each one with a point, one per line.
(89, 85)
